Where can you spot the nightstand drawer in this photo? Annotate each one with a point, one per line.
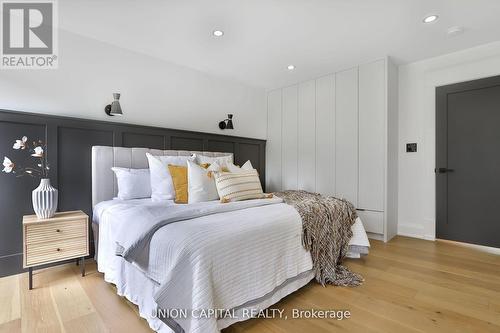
(62, 237)
(54, 231)
(40, 253)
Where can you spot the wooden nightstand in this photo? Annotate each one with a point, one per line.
(62, 237)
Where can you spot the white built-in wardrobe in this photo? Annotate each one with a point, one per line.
(337, 135)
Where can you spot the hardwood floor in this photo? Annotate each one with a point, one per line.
(411, 286)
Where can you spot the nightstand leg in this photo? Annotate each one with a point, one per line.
(82, 266)
(30, 274)
(78, 261)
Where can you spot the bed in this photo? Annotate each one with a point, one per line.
(231, 258)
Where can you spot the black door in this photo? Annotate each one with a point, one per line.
(468, 162)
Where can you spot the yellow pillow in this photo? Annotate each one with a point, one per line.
(206, 165)
(180, 181)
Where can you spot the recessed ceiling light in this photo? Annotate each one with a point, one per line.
(291, 67)
(430, 18)
(218, 33)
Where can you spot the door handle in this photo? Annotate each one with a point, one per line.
(443, 170)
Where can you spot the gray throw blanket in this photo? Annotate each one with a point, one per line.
(326, 231)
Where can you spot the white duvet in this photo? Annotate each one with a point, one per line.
(215, 261)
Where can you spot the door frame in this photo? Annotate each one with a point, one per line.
(442, 93)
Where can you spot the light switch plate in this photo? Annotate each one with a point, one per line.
(411, 147)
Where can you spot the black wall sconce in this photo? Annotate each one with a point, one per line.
(114, 109)
(227, 123)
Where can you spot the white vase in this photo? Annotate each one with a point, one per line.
(44, 199)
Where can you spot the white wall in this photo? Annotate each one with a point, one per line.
(417, 83)
(154, 92)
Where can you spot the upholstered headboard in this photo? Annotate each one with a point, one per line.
(104, 158)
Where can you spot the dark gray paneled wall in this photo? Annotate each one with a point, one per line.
(69, 153)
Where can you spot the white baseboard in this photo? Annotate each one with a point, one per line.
(414, 231)
(371, 235)
(424, 237)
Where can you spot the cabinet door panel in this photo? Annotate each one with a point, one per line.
(325, 135)
(346, 135)
(372, 221)
(273, 145)
(307, 136)
(290, 138)
(372, 130)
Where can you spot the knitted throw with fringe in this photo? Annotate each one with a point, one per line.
(326, 231)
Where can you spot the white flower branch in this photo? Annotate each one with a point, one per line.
(38, 151)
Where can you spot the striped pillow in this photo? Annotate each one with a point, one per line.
(238, 186)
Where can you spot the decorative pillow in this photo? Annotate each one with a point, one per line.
(180, 180)
(222, 160)
(245, 167)
(162, 187)
(132, 183)
(201, 183)
(238, 186)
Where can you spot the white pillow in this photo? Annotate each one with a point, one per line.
(162, 187)
(222, 160)
(201, 186)
(132, 183)
(236, 169)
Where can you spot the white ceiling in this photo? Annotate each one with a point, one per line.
(263, 36)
